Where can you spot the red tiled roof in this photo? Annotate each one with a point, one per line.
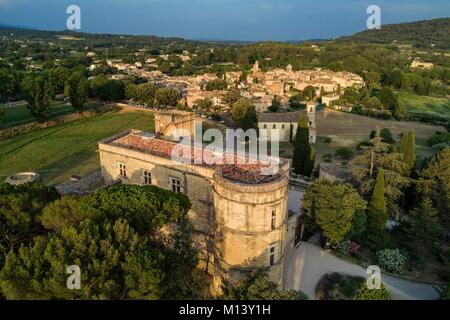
(241, 169)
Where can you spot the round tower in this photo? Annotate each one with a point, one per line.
(251, 226)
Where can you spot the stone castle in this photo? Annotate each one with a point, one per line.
(240, 216)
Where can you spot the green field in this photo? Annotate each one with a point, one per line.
(424, 105)
(21, 114)
(70, 149)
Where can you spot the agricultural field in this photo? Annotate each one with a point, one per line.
(21, 114)
(417, 106)
(346, 130)
(69, 149)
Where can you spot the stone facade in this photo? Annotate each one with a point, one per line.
(287, 123)
(239, 216)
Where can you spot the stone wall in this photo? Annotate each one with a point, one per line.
(232, 220)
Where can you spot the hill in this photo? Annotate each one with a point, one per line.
(421, 34)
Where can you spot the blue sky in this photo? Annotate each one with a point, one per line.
(220, 19)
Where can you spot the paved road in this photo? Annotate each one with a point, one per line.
(306, 265)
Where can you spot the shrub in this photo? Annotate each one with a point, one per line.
(347, 247)
(364, 293)
(391, 260)
(364, 143)
(343, 247)
(438, 138)
(344, 153)
(353, 248)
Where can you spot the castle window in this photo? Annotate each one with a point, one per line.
(311, 110)
(147, 177)
(274, 126)
(122, 170)
(273, 222)
(265, 126)
(310, 123)
(176, 185)
(272, 255)
(283, 126)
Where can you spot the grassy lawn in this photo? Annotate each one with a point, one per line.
(70, 149)
(21, 114)
(418, 105)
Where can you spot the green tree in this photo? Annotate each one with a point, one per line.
(217, 84)
(391, 102)
(204, 105)
(105, 89)
(38, 92)
(2, 117)
(385, 134)
(303, 156)
(20, 213)
(309, 93)
(58, 78)
(167, 97)
(377, 211)
(380, 155)
(364, 293)
(259, 287)
(78, 89)
(243, 114)
(434, 183)
(359, 224)
(425, 222)
(6, 84)
(143, 93)
(408, 150)
(331, 207)
(276, 105)
(113, 236)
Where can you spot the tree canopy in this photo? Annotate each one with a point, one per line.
(332, 207)
(116, 237)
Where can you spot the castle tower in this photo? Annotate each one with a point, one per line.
(174, 125)
(251, 228)
(311, 111)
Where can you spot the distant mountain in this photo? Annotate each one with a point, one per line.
(421, 34)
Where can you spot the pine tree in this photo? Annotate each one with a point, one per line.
(302, 161)
(408, 150)
(377, 211)
(425, 222)
(379, 155)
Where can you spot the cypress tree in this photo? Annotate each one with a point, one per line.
(302, 156)
(377, 212)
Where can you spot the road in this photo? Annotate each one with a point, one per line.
(306, 265)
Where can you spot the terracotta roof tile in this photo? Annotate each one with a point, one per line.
(241, 169)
